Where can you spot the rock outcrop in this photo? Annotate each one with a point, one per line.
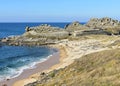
(75, 26)
(27, 29)
(102, 23)
(39, 35)
(47, 34)
(107, 24)
(90, 32)
(46, 31)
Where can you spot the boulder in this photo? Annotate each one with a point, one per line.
(27, 29)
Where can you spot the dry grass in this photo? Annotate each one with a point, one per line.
(97, 69)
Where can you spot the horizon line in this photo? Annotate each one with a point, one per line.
(42, 22)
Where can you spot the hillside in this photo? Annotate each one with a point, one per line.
(97, 69)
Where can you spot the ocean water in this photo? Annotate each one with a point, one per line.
(14, 59)
(9, 29)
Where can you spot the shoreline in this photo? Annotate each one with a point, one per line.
(39, 67)
(61, 54)
(68, 51)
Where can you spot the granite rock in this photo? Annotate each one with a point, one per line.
(102, 23)
(46, 34)
(75, 26)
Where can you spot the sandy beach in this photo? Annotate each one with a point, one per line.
(54, 59)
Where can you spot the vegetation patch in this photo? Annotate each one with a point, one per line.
(97, 69)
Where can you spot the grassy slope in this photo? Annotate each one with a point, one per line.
(97, 69)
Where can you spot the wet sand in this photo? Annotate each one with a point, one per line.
(54, 59)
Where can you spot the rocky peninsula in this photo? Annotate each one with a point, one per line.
(89, 53)
(47, 34)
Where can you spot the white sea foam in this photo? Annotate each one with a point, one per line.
(18, 71)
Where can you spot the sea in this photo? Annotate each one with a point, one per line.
(15, 59)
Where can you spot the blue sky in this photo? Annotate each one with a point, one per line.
(57, 10)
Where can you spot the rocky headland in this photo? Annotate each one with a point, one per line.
(89, 53)
(47, 34)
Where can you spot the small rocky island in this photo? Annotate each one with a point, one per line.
(47, 34)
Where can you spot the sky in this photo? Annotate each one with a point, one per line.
(57, 10)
